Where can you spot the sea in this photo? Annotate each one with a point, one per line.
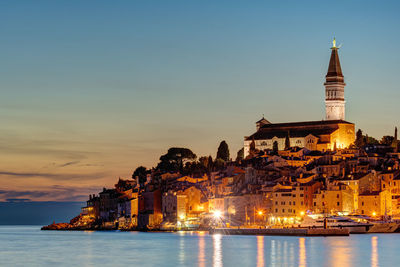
(29, 246)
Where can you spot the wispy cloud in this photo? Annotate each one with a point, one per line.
(53, 193)
(69, 163)
(52, 176)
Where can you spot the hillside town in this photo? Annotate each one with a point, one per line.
(267, 188)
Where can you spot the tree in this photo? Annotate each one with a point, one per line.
(219, 164)
(204, 162)
(287, 142)
(141, 173)
(223, 151)
(210, 163)
(360, 140)
(387, 140)
(372, 141)
(175, 159)
(240, 154)
(275, 147)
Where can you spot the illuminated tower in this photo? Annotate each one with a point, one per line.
(334, 88)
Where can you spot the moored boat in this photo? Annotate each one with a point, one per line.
(335, 222)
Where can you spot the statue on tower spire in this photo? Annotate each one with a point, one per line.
(334, 87)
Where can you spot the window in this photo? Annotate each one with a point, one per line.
(315, 203)
(302, 203)
(337, 196)
(276, 202)
(323, 196)
(362, 203)
(301, 195)
(338, 203)
(276, 210)
(290, 202)
(383, 185)
(294, 195)
(294, 203)
(283, 210)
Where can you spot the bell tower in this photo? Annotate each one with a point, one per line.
(334, 88)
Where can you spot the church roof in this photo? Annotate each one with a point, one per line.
(263, 120)
(334, 64)
(334, 73)
(296, 129)
(305, 123)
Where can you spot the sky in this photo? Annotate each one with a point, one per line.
(90, 90)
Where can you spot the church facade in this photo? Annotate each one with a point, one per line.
(333, 132)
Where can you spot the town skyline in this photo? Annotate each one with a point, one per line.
(78, 110)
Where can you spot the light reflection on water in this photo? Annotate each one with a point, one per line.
(217, 258)
(302, 252)
(201, 255)
(28, 246)
(260, 251)
(374, 251)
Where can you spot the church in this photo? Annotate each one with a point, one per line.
(333, 132)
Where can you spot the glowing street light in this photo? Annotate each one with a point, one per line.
(302, 213)
(260, 212)
(374, 213)
(217, 214)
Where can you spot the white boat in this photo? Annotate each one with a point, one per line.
(315, 221)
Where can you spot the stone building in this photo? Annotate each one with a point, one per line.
(329, 134)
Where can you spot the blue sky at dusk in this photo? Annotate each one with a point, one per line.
(92, 89)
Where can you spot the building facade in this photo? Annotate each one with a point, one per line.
(329, 134)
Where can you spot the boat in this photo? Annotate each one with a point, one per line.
(317, 221)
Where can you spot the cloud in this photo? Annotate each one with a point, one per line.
(53, 193)
(53, 176)
(69, 163)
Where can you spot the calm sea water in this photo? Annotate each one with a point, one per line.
(28, 246)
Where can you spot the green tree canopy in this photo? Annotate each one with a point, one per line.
(240, 154)
(141, 173)
(223, 151)
(360, 140)
(275, 147)
(287, 142)
(387, 140)
(175, 159)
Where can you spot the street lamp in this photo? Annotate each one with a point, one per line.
(217, 214)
